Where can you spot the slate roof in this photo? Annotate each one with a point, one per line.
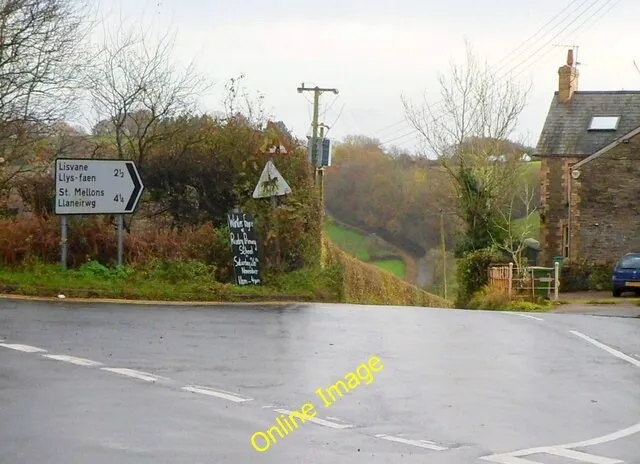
(565, 130)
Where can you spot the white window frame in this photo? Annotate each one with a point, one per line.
(604, 123)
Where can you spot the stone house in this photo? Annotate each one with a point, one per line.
(590, 172)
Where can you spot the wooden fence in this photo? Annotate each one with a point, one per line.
(528, 282)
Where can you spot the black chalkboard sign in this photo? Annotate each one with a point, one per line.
(244, 247)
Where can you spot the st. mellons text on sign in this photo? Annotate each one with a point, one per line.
(244, 246)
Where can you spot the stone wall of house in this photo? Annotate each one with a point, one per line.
(554, 205)
(608, 203)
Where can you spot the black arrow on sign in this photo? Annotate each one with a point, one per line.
(137, 187)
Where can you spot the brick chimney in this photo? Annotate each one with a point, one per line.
(568, 79)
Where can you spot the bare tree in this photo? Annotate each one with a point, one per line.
(136, 86)
(240, 105)
(515, 234)
(469, 133)
(42, 56)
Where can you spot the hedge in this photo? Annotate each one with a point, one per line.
(472, 272)
(584, 276)
(363, 283)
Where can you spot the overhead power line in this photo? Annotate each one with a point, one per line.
(531, 59)
(608, 2)
(515, 50)
(528, 60)
(555, 37)
(503, 59)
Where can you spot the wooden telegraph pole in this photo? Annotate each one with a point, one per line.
(317, 91)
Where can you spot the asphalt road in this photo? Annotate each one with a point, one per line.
(455, 387)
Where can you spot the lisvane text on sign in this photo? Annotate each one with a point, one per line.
(90, 186)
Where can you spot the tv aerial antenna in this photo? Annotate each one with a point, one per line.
(576, 49)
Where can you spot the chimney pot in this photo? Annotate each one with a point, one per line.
(568, 79)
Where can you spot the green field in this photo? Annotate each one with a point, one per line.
(394, 266)
(362, 247)
(347, 240)
(533, 225)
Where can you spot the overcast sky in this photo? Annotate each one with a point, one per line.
(375, 51)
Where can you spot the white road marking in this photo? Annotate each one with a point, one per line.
(135, 374)
(584, 457)
(604, 439)
(217, 393)
(608, 349)
(72, 360)
(419, 443)
(523, 315)
(508, 459)
(24, 348)
(324, 423)
(565, 450)
(561, 452)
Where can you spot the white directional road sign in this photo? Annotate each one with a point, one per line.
(91, 186)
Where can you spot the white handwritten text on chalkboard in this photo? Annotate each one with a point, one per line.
(244, 246)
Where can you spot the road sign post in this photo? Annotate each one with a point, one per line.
(96, 186)
(272, 185)
(63, 241)
(120, 238)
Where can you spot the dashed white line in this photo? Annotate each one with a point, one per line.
(523, 315)
(419, 443)
(324, 423)
(24, 348)
(135, 374)
(217, 393)
(72, 360)
(608, 349)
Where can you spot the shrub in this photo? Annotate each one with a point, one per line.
(600, 276)
(472, 273)
(525, 306)
(584, 276)
(179, 270)
(489, 298)
(211, 246)
(95, 269)
(29, 239)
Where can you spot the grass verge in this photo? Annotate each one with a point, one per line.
(45, 280)
(343, 280)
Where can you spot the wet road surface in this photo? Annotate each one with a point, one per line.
(107, 383)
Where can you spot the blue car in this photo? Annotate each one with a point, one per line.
(626, 275)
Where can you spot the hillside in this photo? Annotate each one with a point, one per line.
(401, 198)
(366, 248)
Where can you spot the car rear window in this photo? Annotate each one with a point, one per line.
(630, 262)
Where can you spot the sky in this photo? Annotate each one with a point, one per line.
(376, 51)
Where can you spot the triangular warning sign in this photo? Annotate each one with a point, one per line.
(271, 183)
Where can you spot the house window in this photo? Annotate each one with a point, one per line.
(604, 123)
(565, 240)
